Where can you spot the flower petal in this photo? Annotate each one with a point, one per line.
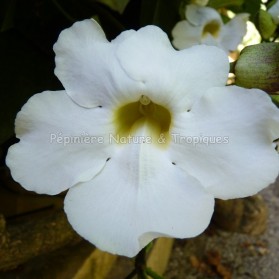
(210, 40)
(88, 69)
(274, 11)
(200, 16)
(138, 196)
(234, 31)
(174, 79)
(186, 35)
(46, 160)
(233, 130)
(123, 36)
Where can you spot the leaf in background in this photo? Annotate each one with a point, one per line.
(7, 15)
(163, 13)
(117, 5)
(75, 10)
(275, 99)
(217, 4)
(269, 4)
(252, 7)
(265, 24)
(110, 20)
(131, 15)
(25, 71)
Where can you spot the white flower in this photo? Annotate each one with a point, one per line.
(274, 12)
(204, 25)
(200, 139)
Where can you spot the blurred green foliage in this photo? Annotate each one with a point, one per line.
(275, 99)
(217, 4)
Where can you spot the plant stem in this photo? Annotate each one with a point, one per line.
(152, 273)
(140, 264)
(132, 274)
(141, 270)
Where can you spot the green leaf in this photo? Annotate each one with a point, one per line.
(217, 4)
(270, 4)
(109, 19)
(265, 24)
(75, 10)
(152, 273)
(163, 13)
(275, 99)
(252, 7)
(117, 5)
(8, 9)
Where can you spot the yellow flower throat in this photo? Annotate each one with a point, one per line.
(155, 118)
(213, 27)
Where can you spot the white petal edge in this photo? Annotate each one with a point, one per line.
(200, 16)
(44, 161)
(139, 195)
(186, 35)
(174, 79)
(247, 162)
(234, 31)
(88, 69)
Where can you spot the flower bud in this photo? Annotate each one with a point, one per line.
(258, 67)
(265, 24)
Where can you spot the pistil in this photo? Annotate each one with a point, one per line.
(144, 100)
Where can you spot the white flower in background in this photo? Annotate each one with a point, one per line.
(252, 36)
(274, 12)
(204, 25)
(201, 139)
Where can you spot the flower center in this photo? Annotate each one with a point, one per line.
(154, 118)
(212, 27)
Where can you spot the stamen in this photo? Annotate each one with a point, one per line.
(156, 119)
(144, 100)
